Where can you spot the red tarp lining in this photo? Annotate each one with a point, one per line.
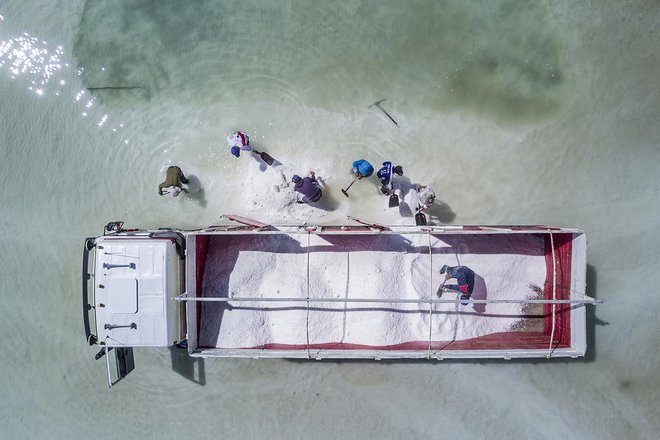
(201, 248)
(563, 256)
(496, 341)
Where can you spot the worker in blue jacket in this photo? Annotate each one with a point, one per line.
(464, 280)
(385, 175)
(362, 169)
(308, 187)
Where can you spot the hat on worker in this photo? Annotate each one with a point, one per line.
(296, 178)
(398, 170)
(365, 168)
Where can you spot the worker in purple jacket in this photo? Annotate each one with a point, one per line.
(464, 281)
(308, 187)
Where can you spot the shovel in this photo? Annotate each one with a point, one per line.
(394, 201)
(265, 157)
(345, 191)
(420, 218)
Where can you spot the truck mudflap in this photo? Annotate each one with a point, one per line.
(124, 362)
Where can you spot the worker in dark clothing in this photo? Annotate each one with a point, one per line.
(308, 187)
(464, 280)
(385, 175)
(174, 181)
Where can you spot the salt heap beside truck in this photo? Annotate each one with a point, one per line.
(360, 291)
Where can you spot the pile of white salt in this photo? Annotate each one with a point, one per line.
(373, 266)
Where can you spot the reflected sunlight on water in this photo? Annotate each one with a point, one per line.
(43, 69)
(27, 55)
(516, 112)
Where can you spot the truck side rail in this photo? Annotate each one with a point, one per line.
(86, 276)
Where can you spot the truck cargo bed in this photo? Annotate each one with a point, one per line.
(382, 269)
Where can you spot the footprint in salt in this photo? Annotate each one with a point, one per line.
(420, 276)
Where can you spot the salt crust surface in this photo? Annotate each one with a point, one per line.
(269, 194)
(382, 266)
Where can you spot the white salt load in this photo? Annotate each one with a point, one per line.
(396, 266)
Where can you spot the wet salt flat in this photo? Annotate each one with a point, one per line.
(515, 112)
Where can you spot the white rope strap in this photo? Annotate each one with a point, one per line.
(430, 293)
(554, 293)
(309, 356)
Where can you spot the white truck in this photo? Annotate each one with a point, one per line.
(249, 289)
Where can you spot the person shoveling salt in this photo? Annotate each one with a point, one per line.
(240, 141)
(385, 175)
(174, 181)
(425, 198)
(308, 187)
(464, 281)
(361, 169)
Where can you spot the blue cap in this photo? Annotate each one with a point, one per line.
(296, 178)
(365, 168)
(236, 151)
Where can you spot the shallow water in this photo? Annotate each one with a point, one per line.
(515, 112)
